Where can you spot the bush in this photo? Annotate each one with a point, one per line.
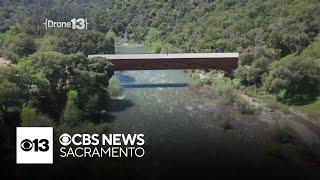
(44, 121)
(250, 54)
(28, 116)
(14, 92)
(195, 79)
(7, 54)
(48, 43)
(225, 116)
(223, 88)
(114, 88)
(16, 46)
(92, 42)
(55, 74)
(281, 95)
(252, 75)
(72, 115)
(296, 75)
(156, 47)
(243, 106)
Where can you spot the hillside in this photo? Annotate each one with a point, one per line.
(278, 41)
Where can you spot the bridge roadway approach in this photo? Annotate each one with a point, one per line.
(220, 61)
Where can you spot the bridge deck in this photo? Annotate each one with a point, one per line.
(223, 61)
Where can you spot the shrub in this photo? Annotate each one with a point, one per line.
(223, 88)
(195, 79)
(114, 88)
(281, 95)
(243, 106)
(223, 115)
(296, 75)
(92, 42)
(253, 75)
(45, 121)
(156, 47)
(72, 115)
(250, 54)
(9, 55)
(19, 45)
(28, 116)
(48, 43)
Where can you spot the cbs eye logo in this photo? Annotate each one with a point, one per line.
(37, 145)
(65, 139)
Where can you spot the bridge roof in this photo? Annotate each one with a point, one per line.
(167, 56)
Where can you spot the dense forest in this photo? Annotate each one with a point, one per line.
(278, 40)
(52, 81)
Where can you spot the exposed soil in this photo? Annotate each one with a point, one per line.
(4, 62)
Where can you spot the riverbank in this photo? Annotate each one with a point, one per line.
(293, 138)
(307, 128)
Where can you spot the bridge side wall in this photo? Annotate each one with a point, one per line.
(226, 64)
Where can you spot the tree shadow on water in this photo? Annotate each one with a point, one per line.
(107, 118)
(121, 105)
(125, 78)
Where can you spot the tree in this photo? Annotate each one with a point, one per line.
(71, 114)
(54, 74)
(10, 96)
(111, 35)
(28, 116)
(49, 43)
(14, 90)
(94, 42)
(114, 88)
(252, 75)
(295, 76)
(16, 46)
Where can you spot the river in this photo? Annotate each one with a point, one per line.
(184, 133)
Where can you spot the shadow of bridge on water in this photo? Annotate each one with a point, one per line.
(154, 85)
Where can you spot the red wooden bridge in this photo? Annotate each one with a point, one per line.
(221, 61)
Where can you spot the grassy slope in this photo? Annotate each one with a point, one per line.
(312, 109)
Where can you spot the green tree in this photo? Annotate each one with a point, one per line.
(49, 43)
(93, 42)
(28, 116)
(14, 91)
(10, 96)
(111, 35)
(16, 46)
(54, 74)
(295, 76)
(72, 115)
(114, 88)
